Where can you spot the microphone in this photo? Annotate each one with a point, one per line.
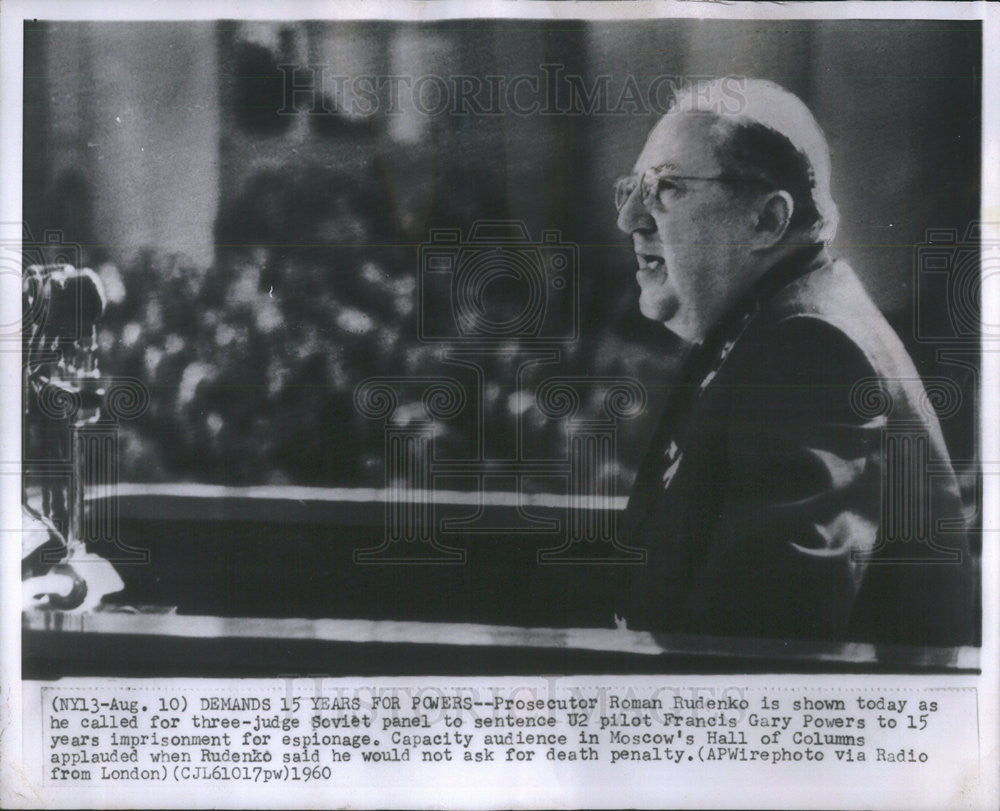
(71, 299)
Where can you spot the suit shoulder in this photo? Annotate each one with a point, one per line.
(831, 292)
(801, 348)
(829, 310)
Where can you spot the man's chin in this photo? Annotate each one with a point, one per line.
(672, 319)
(661, 311)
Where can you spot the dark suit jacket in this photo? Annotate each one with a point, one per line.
(798, 485)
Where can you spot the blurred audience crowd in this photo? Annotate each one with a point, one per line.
(252, 364)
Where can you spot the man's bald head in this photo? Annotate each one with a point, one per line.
(724, 188)
(761, 130)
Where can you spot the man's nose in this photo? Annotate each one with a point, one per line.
(633, 216)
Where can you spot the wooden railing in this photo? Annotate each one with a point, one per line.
(254, 581)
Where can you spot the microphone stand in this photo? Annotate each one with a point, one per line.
(64, 395)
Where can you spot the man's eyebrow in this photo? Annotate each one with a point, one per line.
(662, 167)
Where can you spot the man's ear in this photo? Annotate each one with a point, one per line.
(774, 216)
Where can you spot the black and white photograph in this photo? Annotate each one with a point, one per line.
(431, 346)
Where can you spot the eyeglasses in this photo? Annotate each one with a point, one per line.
(658, 179)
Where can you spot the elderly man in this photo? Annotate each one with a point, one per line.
(798, 485)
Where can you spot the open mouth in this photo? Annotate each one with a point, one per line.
(650, 262)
